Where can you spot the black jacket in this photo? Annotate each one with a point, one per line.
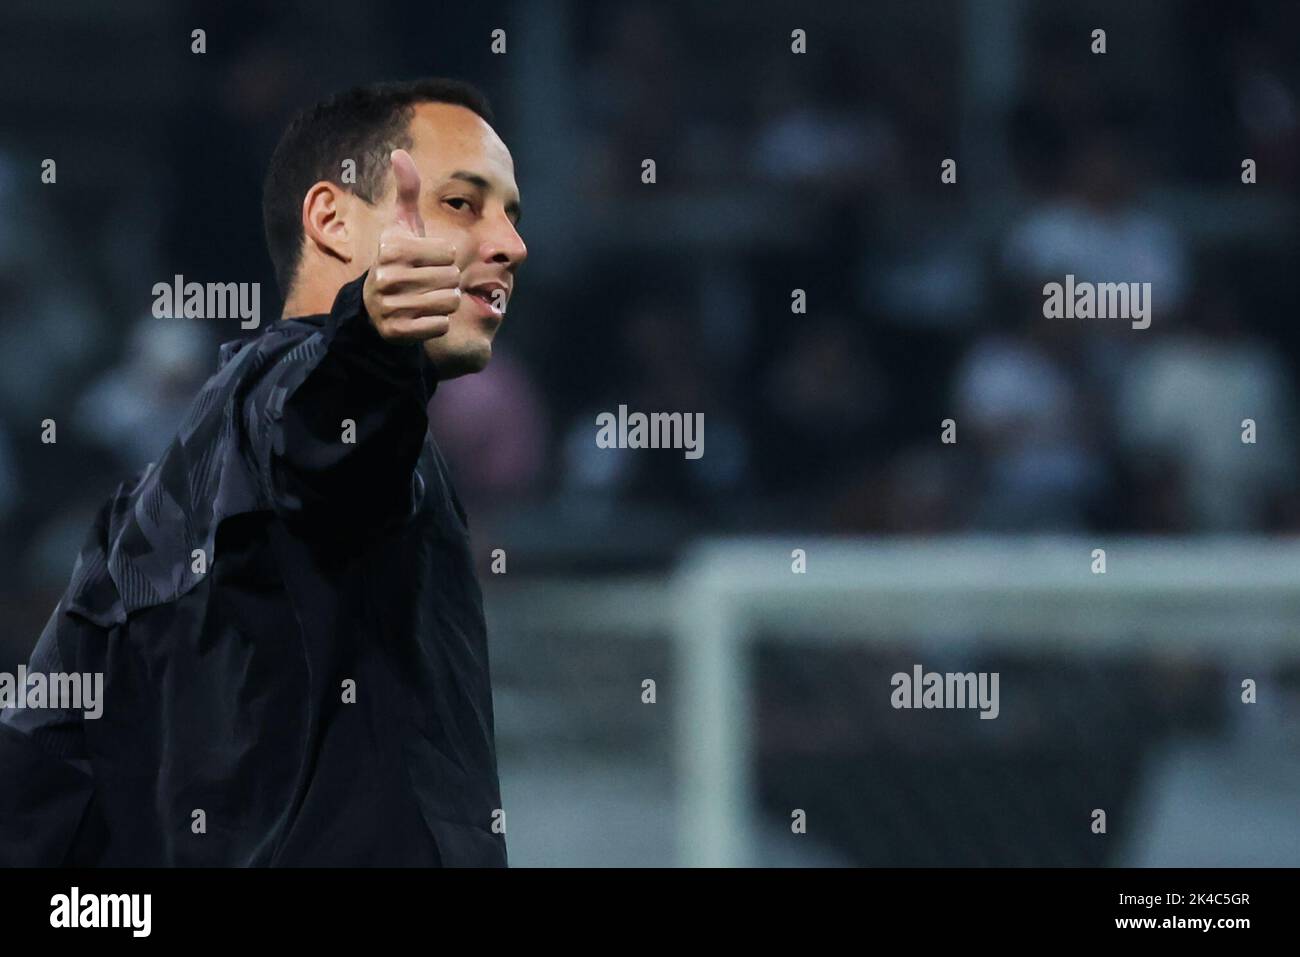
(325, 565)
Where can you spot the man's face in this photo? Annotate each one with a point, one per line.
(469, 198)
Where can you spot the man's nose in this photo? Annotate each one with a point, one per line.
(503, 244)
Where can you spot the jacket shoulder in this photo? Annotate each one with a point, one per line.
(143, 548)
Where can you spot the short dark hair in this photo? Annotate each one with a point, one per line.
(364, 124)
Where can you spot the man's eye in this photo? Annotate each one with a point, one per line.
(452, 201)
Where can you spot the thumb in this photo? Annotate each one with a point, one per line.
(408, 192)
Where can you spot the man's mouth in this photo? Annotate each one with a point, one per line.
(489, 297)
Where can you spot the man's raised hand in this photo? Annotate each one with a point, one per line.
(414, 284)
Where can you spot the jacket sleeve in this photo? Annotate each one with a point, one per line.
(47, 813)
(339, 421)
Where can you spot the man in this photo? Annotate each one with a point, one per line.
(284, 606)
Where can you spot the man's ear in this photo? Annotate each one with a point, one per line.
(327, 221)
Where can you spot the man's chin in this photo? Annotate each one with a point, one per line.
(463, 358)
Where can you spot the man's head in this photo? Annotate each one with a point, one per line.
(330, 191)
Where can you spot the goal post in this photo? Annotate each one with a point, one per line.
(1237, 597)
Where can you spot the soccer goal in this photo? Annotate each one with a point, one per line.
(1236, 598)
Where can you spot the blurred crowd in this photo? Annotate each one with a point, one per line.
(776, 172)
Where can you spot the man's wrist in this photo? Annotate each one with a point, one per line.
(351, 328)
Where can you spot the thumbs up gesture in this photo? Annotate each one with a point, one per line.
(414, 284)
